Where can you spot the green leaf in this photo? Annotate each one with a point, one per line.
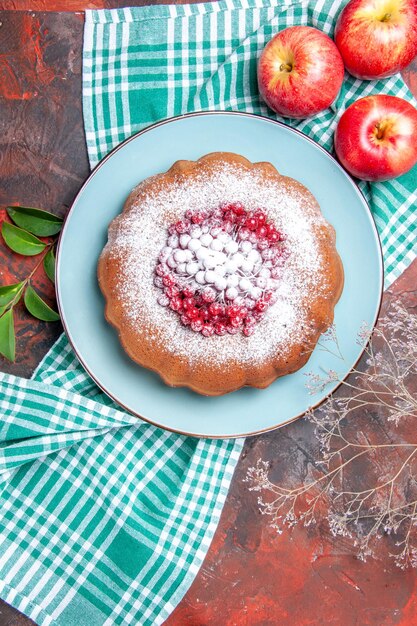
(7, 337)
(38, 308)
(8, 292)
(36, 221)
(21, 241)
(49, 265)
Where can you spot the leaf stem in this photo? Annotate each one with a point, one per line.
(25, 282)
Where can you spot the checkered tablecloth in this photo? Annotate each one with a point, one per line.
(105, 519)
(143, 65)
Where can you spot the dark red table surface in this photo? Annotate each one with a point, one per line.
(251, 575)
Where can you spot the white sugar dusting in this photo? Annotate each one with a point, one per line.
(142, 233)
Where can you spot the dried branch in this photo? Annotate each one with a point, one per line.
(364, 482)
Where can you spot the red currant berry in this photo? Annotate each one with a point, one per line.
(188, 303)
(182, 226)
(193, 313)
(160, 269)
(172, 230)
(197, 218)
(197, 325)
(250, 321)
(261, 231)
(220, 329)
(232, 330)
(248, 330)
(274, 237)
(267, 296)
(215, 308)
(237, 208)
(176, 303)
(173, 290)
(187, 292)
(240, 220)
(252, 223)
(208, 294)
(168, 280)
(263, 244)
(270, 228)
(236, 321)
(185, 320)
(267, 254)
(244, 233)
(261, 306)
(232, 310)
(189, 215)
(204, 313)
(261, 217)
(243, 312)
(208, 330)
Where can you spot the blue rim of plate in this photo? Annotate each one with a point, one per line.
(62, 313)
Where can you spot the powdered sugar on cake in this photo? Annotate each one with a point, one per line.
(142, 234)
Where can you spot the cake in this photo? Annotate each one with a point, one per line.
(220, 273)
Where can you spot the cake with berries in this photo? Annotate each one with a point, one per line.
(220, 273)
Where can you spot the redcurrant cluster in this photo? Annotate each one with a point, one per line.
(221, 291)
(233, 216)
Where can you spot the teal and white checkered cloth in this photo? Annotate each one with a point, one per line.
(143, 65)
(105, 519)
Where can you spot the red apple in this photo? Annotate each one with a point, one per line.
(300, 72)
(377, 38)
(376, 138)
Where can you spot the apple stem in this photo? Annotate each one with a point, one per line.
(285, 67)
(380, 131)
(386, 17)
